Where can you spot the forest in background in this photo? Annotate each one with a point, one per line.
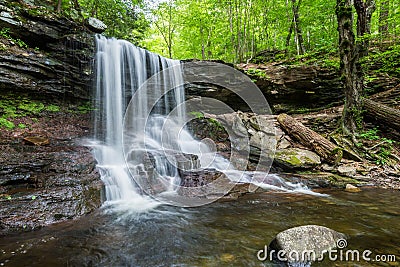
(230, 30)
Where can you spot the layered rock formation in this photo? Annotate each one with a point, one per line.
(48, 58)
(57, 53)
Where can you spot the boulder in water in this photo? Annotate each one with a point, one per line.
(306, 243)
(352, 189)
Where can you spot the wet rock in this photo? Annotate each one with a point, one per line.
(295, 242)
(46, 183)
(40, 185)
(296, 158)
(96, 25)
(211, 184)
(347, 170)
(60, 54)
(352, 188)
(37, 140)
(197, 178)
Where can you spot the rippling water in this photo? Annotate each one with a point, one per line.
(219, 234)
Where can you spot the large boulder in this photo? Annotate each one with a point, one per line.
(306, 243)
(296, 158)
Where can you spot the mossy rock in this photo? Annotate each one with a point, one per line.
(296, 158)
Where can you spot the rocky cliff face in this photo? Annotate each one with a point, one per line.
(56, 55)
(45, 77)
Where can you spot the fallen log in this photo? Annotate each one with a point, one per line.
(307, 137)
(382, 113)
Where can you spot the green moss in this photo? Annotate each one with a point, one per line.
(197, 114)
(290, 157)
(9, 125)
(340, 181)
(16, 106)
(294, 161)
(53, 108)
(22, 126)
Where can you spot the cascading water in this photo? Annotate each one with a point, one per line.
(135, 134)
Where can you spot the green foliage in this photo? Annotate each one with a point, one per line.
(384, 145)
(53, 108)
(237, 30)
(31, 107)
(12, 107)
(323, 56)
(5, 32)
(124, 19)
(197, 114)
(22, 126)
(257, 72)
(216, 123)
(384, 62)
(9, 125)
(83, 108)
(371, 134)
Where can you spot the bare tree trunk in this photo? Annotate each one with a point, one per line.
(382, 113)
(297, 28)
(307, 137)
(59, 4)
(383, 19)
(364, 14)
(350, 69)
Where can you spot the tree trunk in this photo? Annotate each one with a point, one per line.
(307, 137)
(382, 114)
(364, 14)
(58, 8)
(383, 19)
(297, 28)
(350, 69)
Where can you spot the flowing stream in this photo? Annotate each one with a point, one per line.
(133, 229)
(218, 234)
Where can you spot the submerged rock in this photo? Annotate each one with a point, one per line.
(352, 188)
(306, 243)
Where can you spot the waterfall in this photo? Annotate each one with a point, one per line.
(140, 129)
(121, 68)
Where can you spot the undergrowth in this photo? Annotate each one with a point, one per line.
(12, 107)
(381, 149)
(5, 32)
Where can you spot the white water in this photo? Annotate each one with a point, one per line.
(122, 69)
